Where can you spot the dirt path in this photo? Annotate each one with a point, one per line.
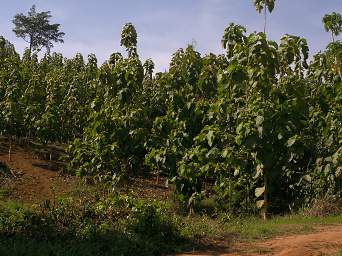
(326, 240)
(35, 180)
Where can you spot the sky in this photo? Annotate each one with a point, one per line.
(163, 26)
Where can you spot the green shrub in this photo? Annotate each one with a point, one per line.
(117, 225)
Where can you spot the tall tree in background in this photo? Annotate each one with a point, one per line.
(264, 5)
(35, 28)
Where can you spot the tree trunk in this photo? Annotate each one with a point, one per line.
(266, 199)
(31, 42)
(191, 211)
(10, 149)
(337, 60)
(157, 181)
(265, 18)
(338, 67)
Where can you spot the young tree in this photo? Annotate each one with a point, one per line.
(129, 39)
(333, 24)
(6, 48)
(148, 68)
(264, 5)
(115, 58)
(35, 28)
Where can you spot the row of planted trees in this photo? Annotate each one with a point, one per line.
(256, 127)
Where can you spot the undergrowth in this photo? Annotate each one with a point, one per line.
(118, 225)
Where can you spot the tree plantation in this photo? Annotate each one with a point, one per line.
(258, 128)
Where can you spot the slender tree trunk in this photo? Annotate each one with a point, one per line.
(10, 149)
(337, 60)
(265, 18)
(191, 211)
(338, 67)
(266, 199)
(157, 181)
(31, 42)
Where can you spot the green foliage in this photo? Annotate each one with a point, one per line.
(333, 23)
(261, 4)
(6, 48)
(233, 37)
(148, 68)
(258, 127)
(129, 39)
(116, 225)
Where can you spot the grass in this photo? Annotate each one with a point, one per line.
(123, 225)
(204, 226)
(5, 188)
(206, 231)
(245, 228)
(256, 228)
(127, 227)
(5, 192)
(251, 228)
(87, 221)
(117, 225)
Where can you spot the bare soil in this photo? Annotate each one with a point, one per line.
(33, 180)
(325, 241)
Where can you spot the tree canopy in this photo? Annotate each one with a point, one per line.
(36, 29)
(333, 24)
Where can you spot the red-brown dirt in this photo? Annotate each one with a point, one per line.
(35, 180)
(325, 241)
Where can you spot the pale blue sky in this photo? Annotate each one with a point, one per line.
(164, 26)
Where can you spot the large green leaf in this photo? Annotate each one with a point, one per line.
(210, 137)
(259, 191)
(260, 204)
(292, 141)
(259, 171)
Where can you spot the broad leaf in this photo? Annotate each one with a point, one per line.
(210, 137)
(259, 171)
(292, 141)
(260, 204)
(259, 191)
